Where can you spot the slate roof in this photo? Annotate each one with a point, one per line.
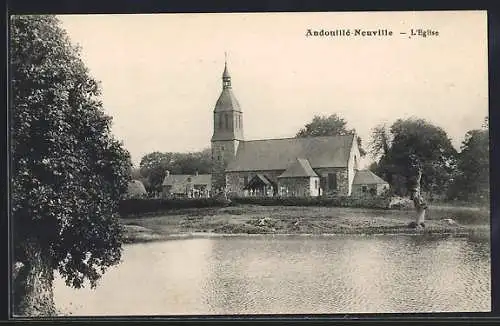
(278, 154)
(367, 177)
(227, 101)
(179, 182)
(299, 168)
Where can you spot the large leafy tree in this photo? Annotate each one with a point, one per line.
(472, 180)
(154, 165)
(411, 142)
(68, 172)
(332, 125)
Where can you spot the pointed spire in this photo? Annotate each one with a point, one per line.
(226, 78)
(226, 71)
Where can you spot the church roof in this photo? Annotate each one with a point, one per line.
(227, 101)
(278, 154)
(299, 168)
(367, 177)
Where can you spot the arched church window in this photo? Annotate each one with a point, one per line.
(226, 118)
(220, 121)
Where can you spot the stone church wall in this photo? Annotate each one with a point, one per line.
(294, 187)
(342, 181)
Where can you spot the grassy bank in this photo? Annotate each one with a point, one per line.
(252, 219)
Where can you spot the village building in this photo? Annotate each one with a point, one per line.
(310, 166)
(368, 183)
(186, 185)
(135, 190)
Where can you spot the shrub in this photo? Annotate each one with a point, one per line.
(338, 201)
(129, 207)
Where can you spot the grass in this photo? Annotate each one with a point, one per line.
(253, 219)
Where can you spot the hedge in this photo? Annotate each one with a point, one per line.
(339, 201)
(129, 207)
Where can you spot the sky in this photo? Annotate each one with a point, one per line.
(161, 73)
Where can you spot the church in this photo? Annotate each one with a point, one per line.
(311, 166)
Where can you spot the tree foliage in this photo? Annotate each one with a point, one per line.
(153, 166)
(380, 141)
(68, 172)
(332, 125)
(472, 180)
(409, 142)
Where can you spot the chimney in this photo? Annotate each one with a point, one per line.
(167, 173)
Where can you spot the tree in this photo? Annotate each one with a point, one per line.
(408, 141)
(68, 172)
(472, 180)
(332, 125)
(380, 141)
(154, 165)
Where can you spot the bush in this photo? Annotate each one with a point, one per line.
(129, 207)
(338, 201)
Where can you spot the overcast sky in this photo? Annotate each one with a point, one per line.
(161, 73)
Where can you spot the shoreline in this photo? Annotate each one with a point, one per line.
(155, 237)
(285, 221)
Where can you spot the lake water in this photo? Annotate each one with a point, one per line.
(290, 274)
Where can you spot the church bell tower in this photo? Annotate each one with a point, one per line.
(228, 131)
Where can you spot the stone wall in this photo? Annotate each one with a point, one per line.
(342, 181)
(235, 180)
(371, 189)
(222, 153)
(294, 187)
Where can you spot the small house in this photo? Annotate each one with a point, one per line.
(136, 189)
(367, 183)
(186, 185)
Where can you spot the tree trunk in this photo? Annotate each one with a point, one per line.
(32, 285)
(419, 202)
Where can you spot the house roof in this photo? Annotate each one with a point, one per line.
(299, 168)
(278, 154)
(367, 177)
(179, 182)
(136, 188)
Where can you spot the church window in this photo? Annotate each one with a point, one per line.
(316, 184)
(220, 121)
(227, 120)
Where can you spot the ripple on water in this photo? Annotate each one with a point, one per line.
(265, 275)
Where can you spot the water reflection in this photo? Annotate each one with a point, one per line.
(342, 274)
